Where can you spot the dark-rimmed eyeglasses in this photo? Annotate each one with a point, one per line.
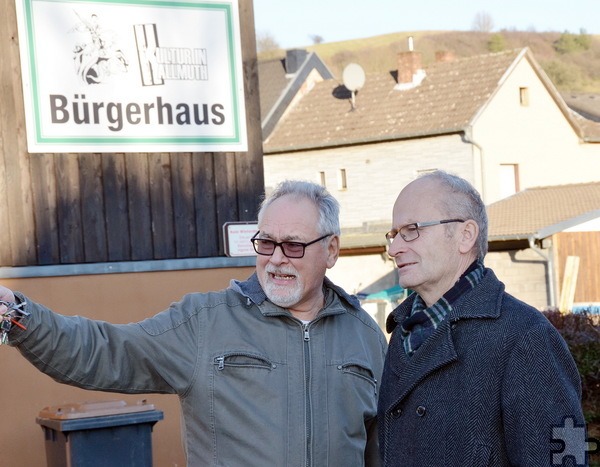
(266, 247)
(410, 232)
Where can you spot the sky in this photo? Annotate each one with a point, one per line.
(292, 22)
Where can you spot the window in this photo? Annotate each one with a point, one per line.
(342, 181)
(524, 96)
(321, 179)
(509, 179)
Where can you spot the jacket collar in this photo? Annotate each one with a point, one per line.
(483, 301)
(251, 289)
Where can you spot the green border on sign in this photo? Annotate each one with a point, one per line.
(179, 140)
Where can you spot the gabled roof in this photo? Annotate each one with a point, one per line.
(448, 100)
(542, 211)
(585, 108)
(590, 129)
(280, 80)
(272, 80)
(585, 103)
(445, 102)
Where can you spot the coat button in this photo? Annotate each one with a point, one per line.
(420, 411)
(396, 412)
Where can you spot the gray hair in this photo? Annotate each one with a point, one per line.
(465, 202)
(328, 206)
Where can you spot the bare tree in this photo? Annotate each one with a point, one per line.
(316, 39)
(265, 42)
(483, 22)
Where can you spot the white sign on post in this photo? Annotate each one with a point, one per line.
(132, 75)
(237, 237)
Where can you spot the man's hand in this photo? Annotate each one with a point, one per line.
(6, 295)
(10, 313)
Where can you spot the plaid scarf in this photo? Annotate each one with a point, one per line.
(421, 323)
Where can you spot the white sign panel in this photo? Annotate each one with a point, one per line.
(237, 237)
(132, 76)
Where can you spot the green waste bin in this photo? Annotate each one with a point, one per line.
(99, 434)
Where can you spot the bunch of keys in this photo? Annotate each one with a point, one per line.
(9, 317)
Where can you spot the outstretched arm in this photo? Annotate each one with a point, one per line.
(154, 356)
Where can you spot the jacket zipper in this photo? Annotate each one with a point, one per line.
(307, 392)
(220, 362)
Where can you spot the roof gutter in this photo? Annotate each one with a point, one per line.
(357, 142)
(550, 271)
(468, 138)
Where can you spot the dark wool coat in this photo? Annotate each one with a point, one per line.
(486, 389)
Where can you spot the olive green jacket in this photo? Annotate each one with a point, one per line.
(257, 386)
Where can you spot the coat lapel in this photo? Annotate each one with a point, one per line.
(437, 351)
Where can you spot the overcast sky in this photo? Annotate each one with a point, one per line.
(292, 22)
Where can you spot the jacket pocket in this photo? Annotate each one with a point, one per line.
(249, 405)
(241, 360)
(360, 371)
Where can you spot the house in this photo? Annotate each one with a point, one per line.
(494, 119)
(282, 82)
(551, 236)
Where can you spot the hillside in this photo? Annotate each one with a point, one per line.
(572, 61)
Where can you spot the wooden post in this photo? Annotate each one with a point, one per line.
(567, 293)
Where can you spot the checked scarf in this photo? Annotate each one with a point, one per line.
(423, 321)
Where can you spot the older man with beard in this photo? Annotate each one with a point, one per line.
(282, 369)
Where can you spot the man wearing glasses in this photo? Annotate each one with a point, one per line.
(473, 376)
(282, 369)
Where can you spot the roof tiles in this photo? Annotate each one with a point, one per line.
(446, 101)
(526, 213)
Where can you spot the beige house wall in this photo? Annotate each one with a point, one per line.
(375, 173)
(537, 137)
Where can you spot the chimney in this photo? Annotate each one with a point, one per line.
(444, 56)
(294, 58)
(409, 63)
(410, 71)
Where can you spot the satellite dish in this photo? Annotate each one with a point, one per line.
(353, 77)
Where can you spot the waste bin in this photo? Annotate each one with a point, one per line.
(99, 434)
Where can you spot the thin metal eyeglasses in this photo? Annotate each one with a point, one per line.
(410, 232)
(266, 247)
